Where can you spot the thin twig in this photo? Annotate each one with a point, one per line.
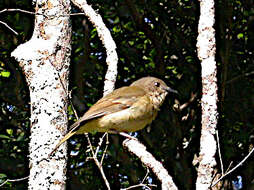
(76, 14)
(72, 106)
(99, 165)
(17, 10)
(193, 97)
(100, 143)
(89, 143)
(218, 144)
(140, 185)
(233, 169)
(33, 13)
(106, 148)
(13, 180)
(240, 76)
(229, 166)
(147, 172)
(135, 186)
(9, 27)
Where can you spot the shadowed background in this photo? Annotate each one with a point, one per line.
(156, 38)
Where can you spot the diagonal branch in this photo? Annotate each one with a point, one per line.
(149, 161)
(234, 168)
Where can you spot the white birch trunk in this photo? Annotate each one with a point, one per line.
(45, 60)
(206, 53)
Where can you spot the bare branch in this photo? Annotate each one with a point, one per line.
(77, 14)
(17, 10)
(218, 144)
(140, 185)
(107, 41)
(233, 169)
(13, 180)
(9, 27)
(33, 13)
(99, 165)
(105, 150)
(193, 97)
(239, 77)
(149, 161)
(147, 172)
(229, 166)
(147, 186)
(100, 143)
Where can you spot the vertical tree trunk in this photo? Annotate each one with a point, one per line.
(45, 60)
(206, 53)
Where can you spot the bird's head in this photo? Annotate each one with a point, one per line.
(155, 88)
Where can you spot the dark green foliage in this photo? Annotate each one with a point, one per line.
(156, 38)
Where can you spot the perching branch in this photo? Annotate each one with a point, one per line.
(149, 161)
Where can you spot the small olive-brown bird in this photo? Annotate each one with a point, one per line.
(126, 109)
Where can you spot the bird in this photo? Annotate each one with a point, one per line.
(126, 109)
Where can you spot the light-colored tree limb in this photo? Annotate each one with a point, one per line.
(206, 52)
(149, 161)
(107, 41)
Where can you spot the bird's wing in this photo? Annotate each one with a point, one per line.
(118, 100)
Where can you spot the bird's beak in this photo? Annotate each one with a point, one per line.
(168, 89)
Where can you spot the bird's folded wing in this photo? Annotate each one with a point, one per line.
(118, 100)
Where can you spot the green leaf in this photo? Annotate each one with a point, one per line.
(78, 49)
(240, 35)
(131, 43)
(5, 74)
(21, 137)
(9, 131)
(4, 137)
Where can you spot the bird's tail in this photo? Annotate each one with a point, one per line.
(66, 137)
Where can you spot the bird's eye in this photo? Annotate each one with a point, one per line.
(157, 84)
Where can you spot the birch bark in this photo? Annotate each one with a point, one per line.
(206, 53)
(45, 60)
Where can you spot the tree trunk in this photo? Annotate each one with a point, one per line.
(45, 60)
(206, 53)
